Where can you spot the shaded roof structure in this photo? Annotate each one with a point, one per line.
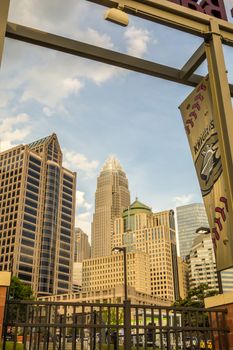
(137, 207)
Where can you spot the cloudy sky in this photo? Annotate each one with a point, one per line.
(96, 109)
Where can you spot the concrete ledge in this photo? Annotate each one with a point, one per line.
(5, 279)
(219, 300)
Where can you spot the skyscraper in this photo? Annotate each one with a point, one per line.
(139, 229)
(189, 218)
(82, 251)
(82, 248)
(37, 203)
(111, 197)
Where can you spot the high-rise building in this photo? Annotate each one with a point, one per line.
(82, 251)
(189, 218)
(183, 272)
(82, 248)
(111, 197)
(201, 261)
(227, 280)
(37, 203)
(139, 229)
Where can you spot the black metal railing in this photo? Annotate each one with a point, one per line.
(86, 326)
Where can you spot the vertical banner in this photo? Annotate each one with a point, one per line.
(197, 113)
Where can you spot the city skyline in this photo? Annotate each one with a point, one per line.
(97, 110)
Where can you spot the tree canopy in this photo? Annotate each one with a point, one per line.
(19, 290)
(196, 296)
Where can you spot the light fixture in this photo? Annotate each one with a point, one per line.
(117, 16)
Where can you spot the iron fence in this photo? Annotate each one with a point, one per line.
(41, 325)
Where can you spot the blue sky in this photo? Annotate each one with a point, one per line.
(97, 110)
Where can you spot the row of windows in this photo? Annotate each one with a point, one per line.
(27, 242)
(32, 188)
(32, 196)
(34, 167)
(68, 184)
(35, 160)
(28, 234)
(33, 181)
(8, 225)
(33, 174)
(25, 268)
(30, 211)
(29, 226)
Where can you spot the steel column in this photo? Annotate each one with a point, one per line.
(222, 105)
(4, 9)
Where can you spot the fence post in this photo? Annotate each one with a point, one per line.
(5, 279)
(127, 325)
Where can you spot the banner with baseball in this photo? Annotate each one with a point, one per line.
(197, 113)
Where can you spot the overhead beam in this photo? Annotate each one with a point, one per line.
(92, 52)
(194, 62)
(172, 15)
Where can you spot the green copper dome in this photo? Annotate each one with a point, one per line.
(135, 208)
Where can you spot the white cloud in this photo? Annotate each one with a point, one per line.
(137, 40)
(14, 130)
(47, 111)
(77, 161)
(183, 199)
(84, 222)
(81, 201)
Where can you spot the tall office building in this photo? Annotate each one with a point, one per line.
(140, 229)
(82, 248)
(82, 251)
(189, 218)
(37, 203)
(201, 262)
(183, 272)
(111, 197)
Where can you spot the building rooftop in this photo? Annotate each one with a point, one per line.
(112, 164)
(136, 207)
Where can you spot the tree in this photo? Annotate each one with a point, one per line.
(196, 296)
(19, 290)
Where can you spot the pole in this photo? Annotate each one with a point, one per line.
(4, 9)
(125, 273)
(223, 116)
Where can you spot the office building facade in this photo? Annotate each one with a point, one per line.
(201, 262)
(140, 229)
(82, 248)
(108, 272)
(183, 273)
(189, 218)
(111, 197)
(37, 203)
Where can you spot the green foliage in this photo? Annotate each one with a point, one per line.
(196, 296)
(19, 290)
(113, 316)
(10, 346)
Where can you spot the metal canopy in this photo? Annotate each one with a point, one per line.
(182, 76)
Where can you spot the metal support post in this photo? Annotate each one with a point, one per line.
(223, 116)
(127, 325)
(125, 274)
(4, 9)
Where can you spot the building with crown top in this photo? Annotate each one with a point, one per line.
(111, 197)
(37, 204)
